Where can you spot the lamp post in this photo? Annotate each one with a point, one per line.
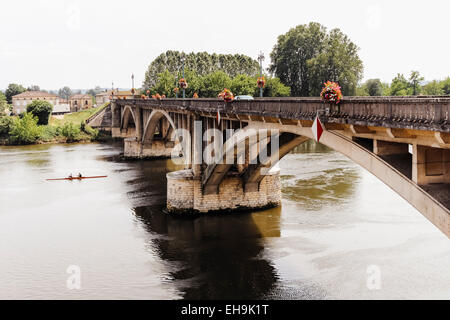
(183, 60)
(132, 84)
(260, 59)
(176, 84)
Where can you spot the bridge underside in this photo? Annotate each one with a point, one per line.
(413, 161)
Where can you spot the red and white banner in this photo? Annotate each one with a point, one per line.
(218, 117)
(317, 129)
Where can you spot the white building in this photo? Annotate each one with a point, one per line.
(20, 101)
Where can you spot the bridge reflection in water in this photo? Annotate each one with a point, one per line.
(217, 257)
(224, 256)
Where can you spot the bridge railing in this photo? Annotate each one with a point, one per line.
(430, 111)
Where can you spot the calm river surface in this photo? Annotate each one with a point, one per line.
(337, 225)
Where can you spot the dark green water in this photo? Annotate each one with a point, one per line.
(335, 222)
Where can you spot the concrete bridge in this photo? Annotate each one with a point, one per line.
(404, 141)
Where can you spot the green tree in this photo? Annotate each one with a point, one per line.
(400, 86)
(307, 55)
(3, 104)
(202, 63)
(243, 85)
(5, 125)
(214, 83)
(445, 85)
(274, 88)
(374, 87)
(338, 62)
(165, 84)
(386, 89)
(12, 90)
(414, 81)
(292, 52)
(362, 90)
(41, 109)
(433, 88)
(65, 93)
(25, 130)
(33, 88)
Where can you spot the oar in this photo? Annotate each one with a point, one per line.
(77, 178)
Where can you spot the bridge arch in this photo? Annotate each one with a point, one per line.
(152, 122)
(402, 185)
(125, 119)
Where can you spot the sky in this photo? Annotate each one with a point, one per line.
(83, 44)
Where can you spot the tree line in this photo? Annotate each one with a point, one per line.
(402, 86)
(210, 85)
(302, 60)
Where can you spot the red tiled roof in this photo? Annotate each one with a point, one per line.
(34, 94)
(80, 96)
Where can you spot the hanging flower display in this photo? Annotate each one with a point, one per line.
(226, 95)
(143, 96)
(261, 82)
(176, 90)
(331, 92)
(183, 83)
(195, 96)
(133, 91)
(156, 96)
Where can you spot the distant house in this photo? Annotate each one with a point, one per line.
(103, 97)
(106, 96)
(61, 108)
(79, 102)
(20, 101)
(125, 94)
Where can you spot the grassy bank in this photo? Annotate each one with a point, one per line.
(70, 128)
(76, 118)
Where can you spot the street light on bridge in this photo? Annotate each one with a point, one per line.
(132, 84)
(260, 59)
(183, 60)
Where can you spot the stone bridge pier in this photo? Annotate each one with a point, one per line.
(230, 150)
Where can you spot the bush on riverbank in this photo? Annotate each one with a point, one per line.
(25, 130)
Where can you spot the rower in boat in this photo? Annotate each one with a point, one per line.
(79, 175)
(70, 176)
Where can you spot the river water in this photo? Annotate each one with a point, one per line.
(340, 234)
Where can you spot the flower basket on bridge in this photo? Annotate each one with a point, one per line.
(183, 83)
(195, 96)
(261, 82)
(226, 95)
(176, 90)
(331, 92)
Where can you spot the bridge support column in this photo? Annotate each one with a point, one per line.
(115, 122)
(185, 194)
(134, 148)
(430, 165)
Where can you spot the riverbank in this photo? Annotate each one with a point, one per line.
(69, 128)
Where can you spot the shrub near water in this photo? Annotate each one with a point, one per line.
(70, 131)
(5, 125)
(25, 130)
